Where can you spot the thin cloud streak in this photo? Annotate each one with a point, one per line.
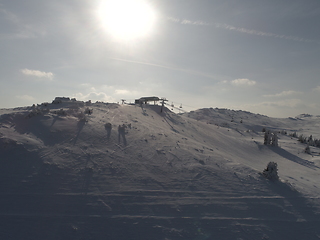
(193, 72)
(264, 34)
(241, 30)
(283, 94)
(22, 30)
(189, 22)
(290, 103)
(9, 16)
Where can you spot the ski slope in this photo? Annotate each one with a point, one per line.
(154, 175)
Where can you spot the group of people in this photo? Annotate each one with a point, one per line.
(121, 131)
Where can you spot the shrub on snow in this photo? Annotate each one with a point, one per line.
(307, 150)
(34, 112)
(37, 111)
(270, 138)
(88, 111)
(61, 112)
(271, 172)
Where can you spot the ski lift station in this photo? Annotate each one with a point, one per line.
(145, 100)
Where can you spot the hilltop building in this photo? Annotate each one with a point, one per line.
(145, 100)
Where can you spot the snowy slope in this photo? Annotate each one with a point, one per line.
(68, 175)
(303, 124)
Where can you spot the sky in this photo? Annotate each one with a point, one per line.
(252, 55)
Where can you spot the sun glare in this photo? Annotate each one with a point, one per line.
(127, 19)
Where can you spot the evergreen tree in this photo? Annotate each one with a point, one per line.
(274, 140)
(271, 172)
(307, 150)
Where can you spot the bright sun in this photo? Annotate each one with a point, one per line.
(127, 19)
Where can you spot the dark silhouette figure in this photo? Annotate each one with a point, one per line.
(122, 133)
(108, 127)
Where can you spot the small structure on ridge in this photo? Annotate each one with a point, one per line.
(145, 100)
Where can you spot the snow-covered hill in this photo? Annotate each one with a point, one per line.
(75, 170)
(303, 124)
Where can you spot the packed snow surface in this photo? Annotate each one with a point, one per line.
(75, 170)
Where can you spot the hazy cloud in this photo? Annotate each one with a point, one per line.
(121, 91)
(290, 103)
(88, 87)
(283, 94)
(243, 82)
(9, 15)
(280, 108)
(37, 73)
(85, 85)
(224, 82)
(20, 29)
(94, 96)
(317, 89)
(26, 97)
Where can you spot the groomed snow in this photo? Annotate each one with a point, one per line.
(67, 175)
